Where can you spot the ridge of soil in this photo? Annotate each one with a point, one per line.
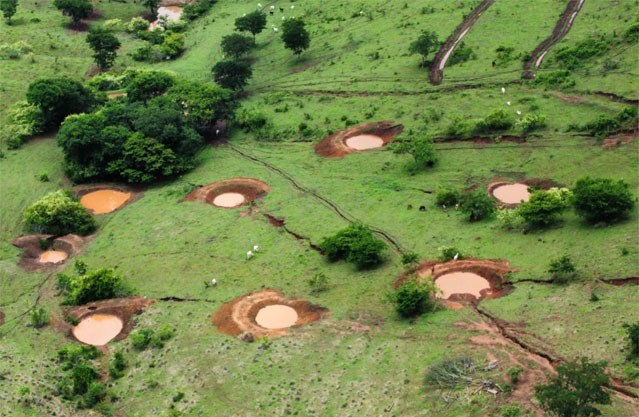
(495, 271)
(562, 27)
(281, 223)
(123, 308)
(31, 250)
(237, 316)
(135, 193)
(436, 72)
(334, 146)
(250, 188)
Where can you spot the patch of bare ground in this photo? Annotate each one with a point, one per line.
(237, 317)
(335, 145)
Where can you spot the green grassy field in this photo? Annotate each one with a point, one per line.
(361, 360)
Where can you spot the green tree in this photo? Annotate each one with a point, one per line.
(423, 152)
(632, 332)
(144, 160)
(152, 5)
(424, 45)
(104, 45)
(355, 244)
(87, 286)
(232, 74)
(476, 205)
(253, 22)
(148, 84)
(77, 9)
(58, 98)
(236, 45)
(9, 9)
(602, 199)
(544, 207)
(575, 391)
(58, 214)
(413, 299)
(496, 121)
(295, 36)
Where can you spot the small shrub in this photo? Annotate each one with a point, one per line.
(560, 79)
(510, 411)
(423, 152)
(413, 299)
(562, 270)
(58, 214)
(410, 258)
(544, 207)
(39, 317)
(573, 57)
(632, 334)
(446, 197)
(459, 128)
(117, 366)
(462, 54)
(86, 286)
(531, 122)
(448, 253)
(497, 121)
(318, 283)
(602, 199)
(513, 374)
(141, 339)
(476, 205)
(137, 24)
(355, 244)
(510, 219)
(96, 392)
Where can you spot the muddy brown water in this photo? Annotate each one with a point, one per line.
(461, 283)
(276, 317)
(98, 329)
(229, 200)
(52, 257)
(512, 193)
(104, 201)
(364, 142)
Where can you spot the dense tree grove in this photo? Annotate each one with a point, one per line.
(152, 135)
(59, 97)
(58, 214)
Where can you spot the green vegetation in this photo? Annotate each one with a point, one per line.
(105, 46)
(86, 286)
(476, 205)
(562, 270)
(253, 22)
(425, 44)
(232, 74)
(602, 199)
(295, 36)
(58, 213)
(632, 333)
(39, 317)
(544, 207)
(412, 299)
(9, 9)
(59, 97)
(144, 338)
(355, 244)
(576, 390)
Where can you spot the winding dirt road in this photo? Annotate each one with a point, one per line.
(563, 26)
(436, 72)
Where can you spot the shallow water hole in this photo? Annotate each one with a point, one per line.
(276, 316)
(98, 329)
(104, 201)
(364, 142)
(52, 257)
(512, 193)
(461, 283)
(229, 200)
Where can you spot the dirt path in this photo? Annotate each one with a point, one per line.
(436, 72)
(391, 240)
(563, 26)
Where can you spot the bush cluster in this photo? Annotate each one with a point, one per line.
(85, 286)
(146, 337)
(413, 298)
(58, 213)
(24, 121)
(59, 97)
(355, 244)
(80, 380)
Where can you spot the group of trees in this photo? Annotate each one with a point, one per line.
(152, 134)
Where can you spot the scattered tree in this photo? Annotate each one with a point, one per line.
(423, 152)
(86, 286)
(58, 214)
(236, 45)
(544, 207)
(424, 45)
(232, 74)
(104, 45)
(355, 244)
(576, 389)
(562, 269)
(476, 205)
(77, 9)
(413, 299)
(9, 9)
(295, 36)
(59, 97)
(602, 199)
(253, 22)
(152, 5)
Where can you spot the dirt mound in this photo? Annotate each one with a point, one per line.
(226, 193)
(494, 271)
(334, 146)
(106, 198)
(122, 308)
(238, 316)
(47, 251)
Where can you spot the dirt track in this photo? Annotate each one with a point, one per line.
(436, 72)
(563, 26)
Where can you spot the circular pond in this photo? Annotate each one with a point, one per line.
(104, 201)
(512, 193)
(52, 257)
(276, 317)
(364, 142)
(229, 200)
(461, 283)
(98, 329)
